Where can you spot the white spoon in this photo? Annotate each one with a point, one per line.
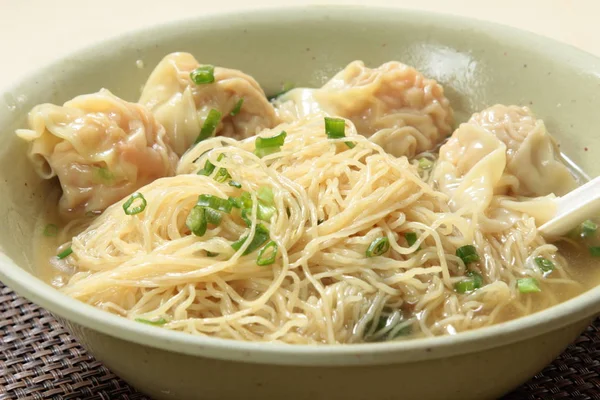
(574, 208)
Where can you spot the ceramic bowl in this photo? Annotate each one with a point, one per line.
(478, 63)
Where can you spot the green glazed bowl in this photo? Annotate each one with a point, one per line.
(478, 63)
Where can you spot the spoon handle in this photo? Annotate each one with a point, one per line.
(574, 208)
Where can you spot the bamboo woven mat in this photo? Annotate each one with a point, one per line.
(40, 360)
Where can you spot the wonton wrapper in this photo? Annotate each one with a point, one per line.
(470, 167)
(393, 105)
(181, 106)
(472, 170)
(100, 147)
(532, 154)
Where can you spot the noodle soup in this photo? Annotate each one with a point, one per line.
(355, 212)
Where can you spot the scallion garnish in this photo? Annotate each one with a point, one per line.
(595, 251)
(214, 202)
(103, 175)
(335, 128)
(237, 107)
(528, 285)
(387, 323)
(467, 253)
(472, 282)
(411, 238)
(378, 247)
(245, 218)
(544, 264)
(208, 168)
(203, 74)
(425, 163)
(269, 145)
(235, 184)
(265, 194)
(196, 221)
(267, 255)
(244, 201)
(222, 175)
(265, 212)
(65, 253)
(51, 230)
(261, 235)
(213, 216)
(158, 322)
(129, 207)
(235, 202)
(210, 124)
(588, 228)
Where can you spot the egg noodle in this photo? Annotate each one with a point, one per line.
(330, 200)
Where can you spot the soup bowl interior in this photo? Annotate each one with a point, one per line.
(479, 64)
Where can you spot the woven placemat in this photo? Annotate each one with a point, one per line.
(40, 360)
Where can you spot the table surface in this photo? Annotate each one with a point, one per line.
(35, 32)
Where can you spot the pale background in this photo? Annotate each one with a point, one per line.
(32, 32)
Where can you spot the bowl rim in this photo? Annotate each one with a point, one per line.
(580, 308)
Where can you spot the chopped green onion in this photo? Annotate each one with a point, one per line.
(210, 124)
(65, 253)
(213, 216)
(425, 163)
(528, 285)
(467, 253)
(588, 228)
(222, 175)
(477, 278)
(244, 201)
(378, 247)
(235, 202)
(595, 251)
(214, 202)
(103, 175)
(265, 194)
(335, 128)
(261, 235)
(157, 322)
(245, 218)
(211, 254)
(269, 145)
(203, 74)
(237, 107)
(473, 281)
(386, 322)
(208, 168)
(235, 184)
(285, 88)
(196, 220)
(127, 206)
(266, 208)
(51, 230)
(265, 212)
(266, 255)
(411, 238)
(273, 141)
(544, 264)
